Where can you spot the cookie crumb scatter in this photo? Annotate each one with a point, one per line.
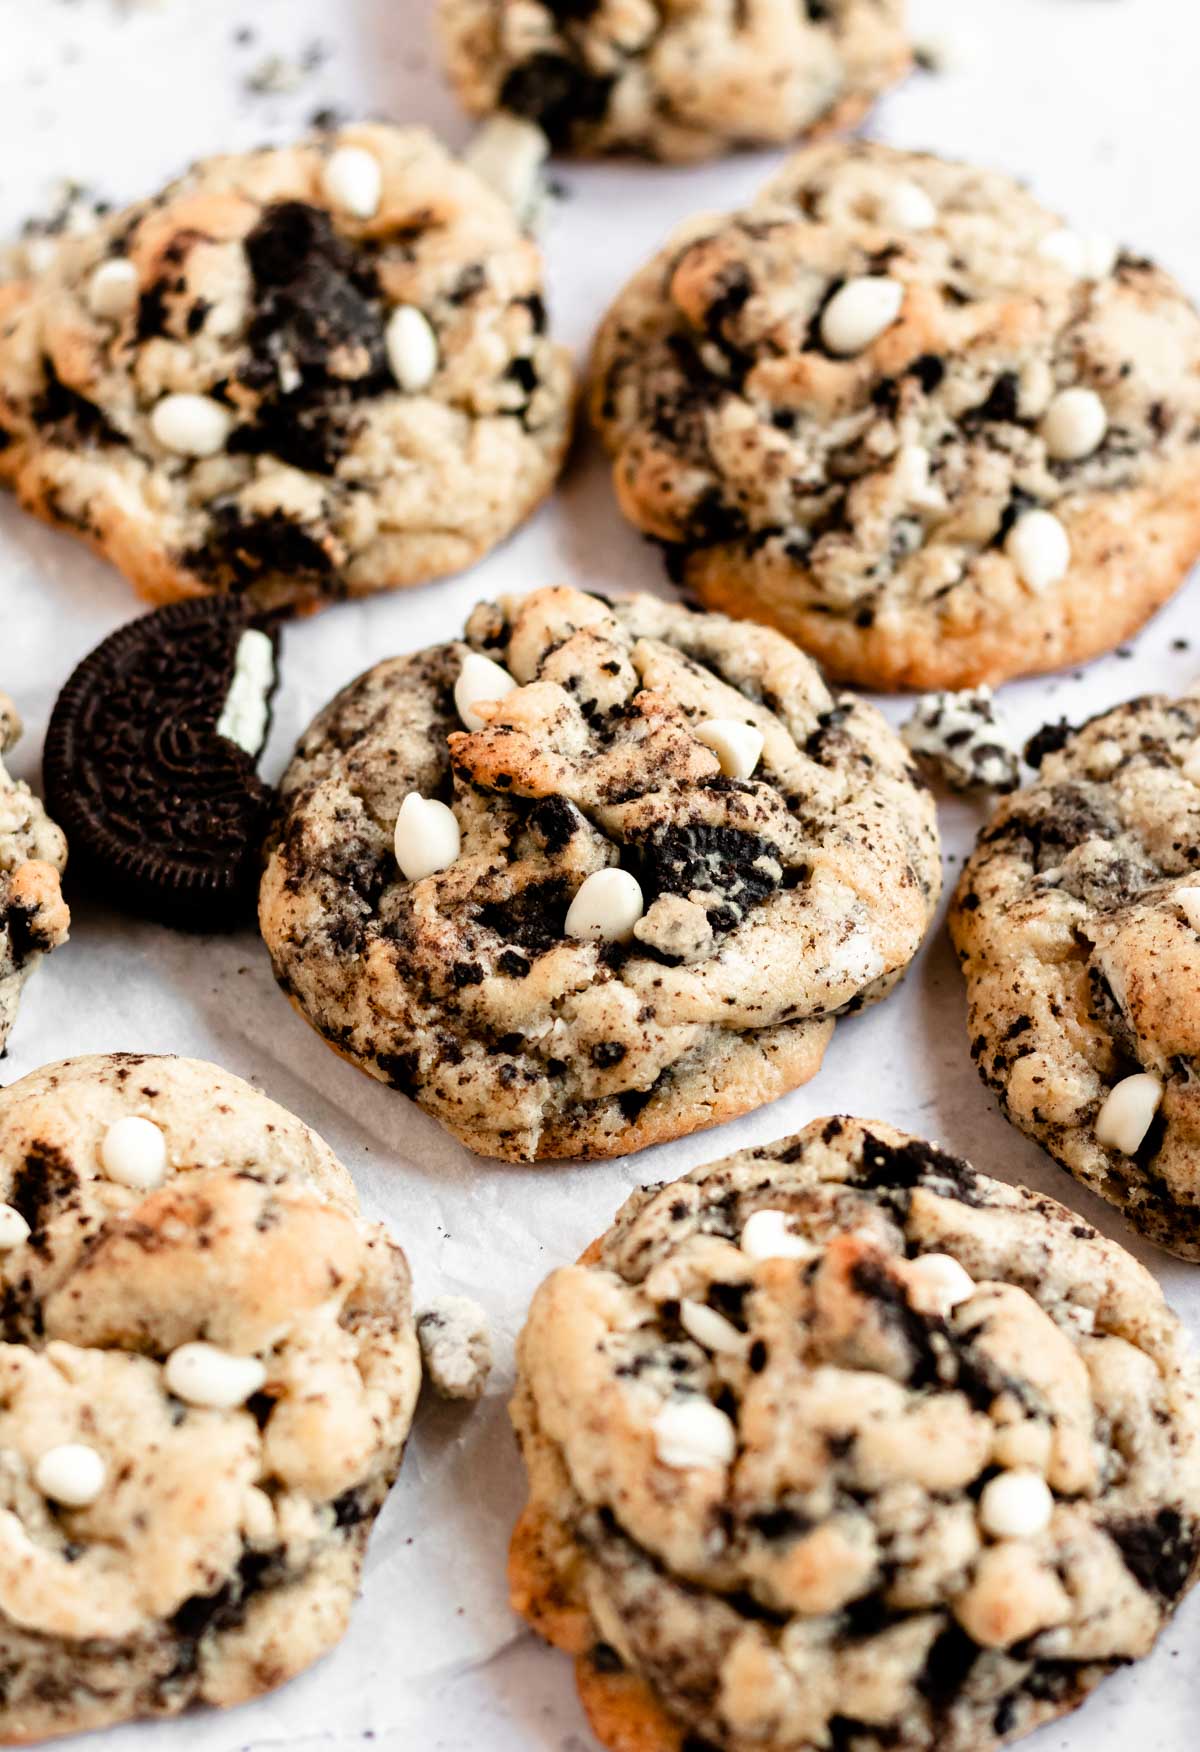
(133, 1153)
(456, 1346)
(962, 739)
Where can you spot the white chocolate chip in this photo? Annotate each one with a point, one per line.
(1191, 764)
(1125, 1117)
(1016, 1505)
(13, 1228)
(191, 425)
(479, 679)
(936, 1283)
(245, 714)
(1188, 902)
(351, 179)
(411, 347)
(133, 1152)
(710, 1329)
(693, 1432)
(769, 1235)
(427, 837)
(72, 1474)
(201, 1374)
(859, 312)
(507, 154)
(912, 475)
(113, 288)
(1087, 256)
(906, 207)
(1039, 548)
(1074, 425)
(737, 746)
(606, 907)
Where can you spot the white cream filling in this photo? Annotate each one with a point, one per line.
(244, 715)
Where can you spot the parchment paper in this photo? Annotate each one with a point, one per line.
(1094, 102)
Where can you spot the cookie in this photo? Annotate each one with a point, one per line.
(897, 410)
(299, 374)
(34, 917)
(151, 762)
(628, 901)
(1077, 923)
(839, 1443)
(674, 82)
(209, 1374)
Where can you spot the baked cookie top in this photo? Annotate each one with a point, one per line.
(304, 373)
(627, 902)
(33, 853)
(898, 410)
(209, 1372)
(1077, 922)
(842, 1443)
(669, 80)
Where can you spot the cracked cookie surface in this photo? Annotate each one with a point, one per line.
(674, 81)
(771, 904)
(33, 853)
(334, 450)
(942, 1474)
(219, 1553)
(896, 409)
(1077, 923)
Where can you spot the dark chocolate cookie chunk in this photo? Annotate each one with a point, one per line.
(150, 762)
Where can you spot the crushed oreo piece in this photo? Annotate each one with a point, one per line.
(961, 739)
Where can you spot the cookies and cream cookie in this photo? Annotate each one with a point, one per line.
(209, 1372)
(898, 410)
(600, 875)
(33, 853)
(674, 81)
(1077, 922)
(302, 373)
(840, 1443)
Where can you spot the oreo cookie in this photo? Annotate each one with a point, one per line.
(151, 763)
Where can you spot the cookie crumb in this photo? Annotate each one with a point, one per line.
(961, 739)
(456, 1346)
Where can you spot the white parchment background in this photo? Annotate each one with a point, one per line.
(1093, 101)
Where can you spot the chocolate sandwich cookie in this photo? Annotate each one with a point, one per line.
(150, 762)
(841, 1444)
